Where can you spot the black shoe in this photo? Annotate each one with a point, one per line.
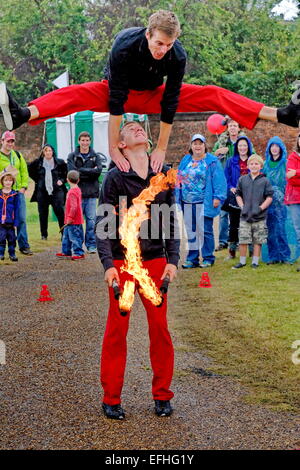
(13, 114)
(254, 265)
(298, 269)
(163, 408)
(290, 114)
(26, 251)
(238, 266)
(2, 258)
(222, 246)
(44, 238)
(13, 258)
(113, 411)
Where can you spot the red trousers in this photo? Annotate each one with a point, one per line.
(93, 96)
(114, 346)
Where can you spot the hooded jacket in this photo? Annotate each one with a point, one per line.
(9, 208)
(253, 192)
(215, 187)
(276, 174)
(232, 168)
(233, 172)
(89, 169)
(37, 173)
(292, 190)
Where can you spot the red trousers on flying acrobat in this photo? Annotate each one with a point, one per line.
(114, 346)
(93, 96)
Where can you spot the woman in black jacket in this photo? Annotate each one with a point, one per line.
(49, 174)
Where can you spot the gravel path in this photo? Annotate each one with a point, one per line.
(50, 395)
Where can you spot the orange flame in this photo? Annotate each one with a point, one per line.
(129, 231)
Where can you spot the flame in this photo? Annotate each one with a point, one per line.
(129, 231)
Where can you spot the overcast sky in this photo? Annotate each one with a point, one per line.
(288, 8)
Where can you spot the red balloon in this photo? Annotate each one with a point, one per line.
(215, 124)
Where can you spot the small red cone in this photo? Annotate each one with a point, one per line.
(205, 281)
(44, 295)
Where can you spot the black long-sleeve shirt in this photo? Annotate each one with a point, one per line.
(158, 234)
(132, 67)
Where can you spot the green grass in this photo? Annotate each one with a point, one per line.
(246, 323)
(33, 228)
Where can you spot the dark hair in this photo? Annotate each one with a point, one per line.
(84, 134)
(50, 146)
(191, 151)
(73, 176)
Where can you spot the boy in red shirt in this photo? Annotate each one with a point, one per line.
(72, 240)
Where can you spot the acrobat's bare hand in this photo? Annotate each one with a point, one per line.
(119, 160)
(171, 271)
(110, 275)
(157, 159)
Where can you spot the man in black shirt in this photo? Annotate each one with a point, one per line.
(139, 60)
(160, 257)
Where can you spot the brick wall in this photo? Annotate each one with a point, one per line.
(187, 124)
(29, 138)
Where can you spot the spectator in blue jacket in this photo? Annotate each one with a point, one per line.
(9, 213)
(278, 222)
(236, 166)
(200, 192)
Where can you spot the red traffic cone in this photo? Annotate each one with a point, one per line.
(44, 295)
(205, 281)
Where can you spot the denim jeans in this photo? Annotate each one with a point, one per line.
(22, 228)
(72, 240)
(89, 212)
(194, 225)
(223, 228)
(7, 234)
(208, 247)
(295, 214)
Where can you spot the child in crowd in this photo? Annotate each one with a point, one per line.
(9, 210)
(72, 240)
(253, 195)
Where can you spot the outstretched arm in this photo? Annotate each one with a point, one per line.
(159, 153)
(113, 139)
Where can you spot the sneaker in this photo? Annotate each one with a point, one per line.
(26, 251)
(62, 255)
(238, 266)
(163, 408)
(254, 265)
(290, 114)
(13, 114)
(222, 246)
(206, 264)
(44, 238)
(189, 265)
(92, 250)
(13, 258)
(113, 411)
(75, 257)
